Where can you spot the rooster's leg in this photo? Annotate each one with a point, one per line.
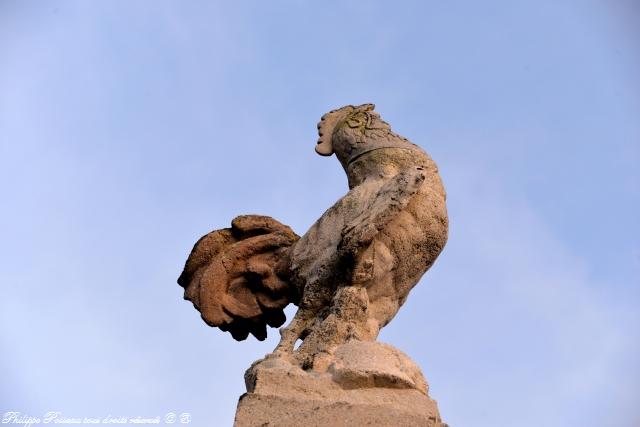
(309, 312)
(295, 330)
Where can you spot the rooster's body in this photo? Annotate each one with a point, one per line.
(353, 269)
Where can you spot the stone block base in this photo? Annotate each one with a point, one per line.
(383, 389)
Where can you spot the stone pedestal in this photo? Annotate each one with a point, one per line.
(366, 384)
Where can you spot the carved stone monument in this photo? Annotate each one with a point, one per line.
(349, 274)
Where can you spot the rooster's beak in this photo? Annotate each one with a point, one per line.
(324, 147)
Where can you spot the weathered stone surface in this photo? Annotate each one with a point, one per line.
(264, 410)
(362, 364)
(349, 274)
(386, 389)
(352, 270)
(230, 276)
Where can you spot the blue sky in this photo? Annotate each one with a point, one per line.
(130, 129)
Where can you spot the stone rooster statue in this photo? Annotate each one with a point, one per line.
(350, 272)
(349, 275)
